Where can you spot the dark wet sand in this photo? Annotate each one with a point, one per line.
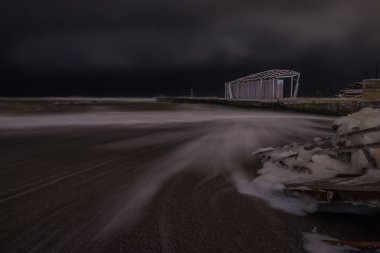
(59, 189)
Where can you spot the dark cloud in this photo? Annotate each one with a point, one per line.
(146, 36)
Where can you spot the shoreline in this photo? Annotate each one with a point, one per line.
(322, 106)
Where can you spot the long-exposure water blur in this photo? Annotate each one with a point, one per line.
(148, 177)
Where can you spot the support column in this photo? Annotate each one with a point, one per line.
(249, 90)
(230, 91)
(297, 84)
(291, 87)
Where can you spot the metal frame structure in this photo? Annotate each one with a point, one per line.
(264, 85)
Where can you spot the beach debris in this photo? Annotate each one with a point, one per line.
(361, 246)
(316, 243)
(342, 167)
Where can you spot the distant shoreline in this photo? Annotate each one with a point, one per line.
(323, 106)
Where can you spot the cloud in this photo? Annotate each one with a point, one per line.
(92, 35)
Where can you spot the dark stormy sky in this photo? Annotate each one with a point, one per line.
(151, 47)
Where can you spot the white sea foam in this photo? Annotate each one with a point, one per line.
(220, 139)
(218, 147)
(188, 115)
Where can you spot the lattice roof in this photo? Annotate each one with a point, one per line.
(269, 74)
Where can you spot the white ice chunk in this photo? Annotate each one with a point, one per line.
(365, 118)
(372, 176)
(326, 163)
(359, 161)
(262, 150)
(375, 153)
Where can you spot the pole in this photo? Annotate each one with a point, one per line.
(291, 87)
(297, 84)
(377, 69)
(230, 90)
(191, 93)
